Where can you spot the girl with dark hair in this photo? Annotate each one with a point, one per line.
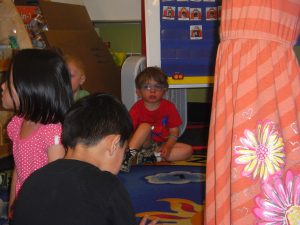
(38, 89)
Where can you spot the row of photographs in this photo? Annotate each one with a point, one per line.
(188, 13)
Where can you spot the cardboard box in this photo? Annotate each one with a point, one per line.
(72, 32)
(62, 16)
(101, 71)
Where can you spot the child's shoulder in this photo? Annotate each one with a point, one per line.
(52, 127)
(16, 120)
(81, 93)
(139, 103)
(168, 106)
(166, 102)
(14, 127)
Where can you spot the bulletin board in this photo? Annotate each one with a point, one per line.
(187, 39)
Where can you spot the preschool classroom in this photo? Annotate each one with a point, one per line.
(117, 39)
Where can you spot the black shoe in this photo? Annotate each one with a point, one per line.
(145, 156)
(128, 157)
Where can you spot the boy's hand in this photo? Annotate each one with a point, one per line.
(165, 151)
(10, 212)
(166, 148)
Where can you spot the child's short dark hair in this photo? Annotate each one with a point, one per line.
(94, 117)
(149, 73)
(42, 82)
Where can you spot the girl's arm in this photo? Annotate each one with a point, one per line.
(12, 195)
(55, 152)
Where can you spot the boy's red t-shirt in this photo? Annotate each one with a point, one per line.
(162, 119)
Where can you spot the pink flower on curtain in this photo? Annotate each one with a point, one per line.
(281, 204)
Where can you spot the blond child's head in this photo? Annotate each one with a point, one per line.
(77, 72)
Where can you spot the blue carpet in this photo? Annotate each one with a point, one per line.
(174, 192)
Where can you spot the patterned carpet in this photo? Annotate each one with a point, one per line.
(173, 192)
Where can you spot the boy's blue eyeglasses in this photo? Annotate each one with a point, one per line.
(155, 87)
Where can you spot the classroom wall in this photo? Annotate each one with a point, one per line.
(126, 37)
(114, 10)
(201, 95)
(123, 37)
(110, 10)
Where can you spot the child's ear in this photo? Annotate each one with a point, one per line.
(115, 144)
(82, 79)
(138, 92)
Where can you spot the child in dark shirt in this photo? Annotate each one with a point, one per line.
(82, 188)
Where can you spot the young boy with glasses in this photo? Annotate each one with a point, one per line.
(156, 123)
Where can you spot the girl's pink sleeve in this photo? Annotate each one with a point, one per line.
(53, 134)
(13, 127)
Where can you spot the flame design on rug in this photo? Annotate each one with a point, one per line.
(185, 212)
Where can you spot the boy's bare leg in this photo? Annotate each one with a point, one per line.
(141, 137)
(180, 151)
